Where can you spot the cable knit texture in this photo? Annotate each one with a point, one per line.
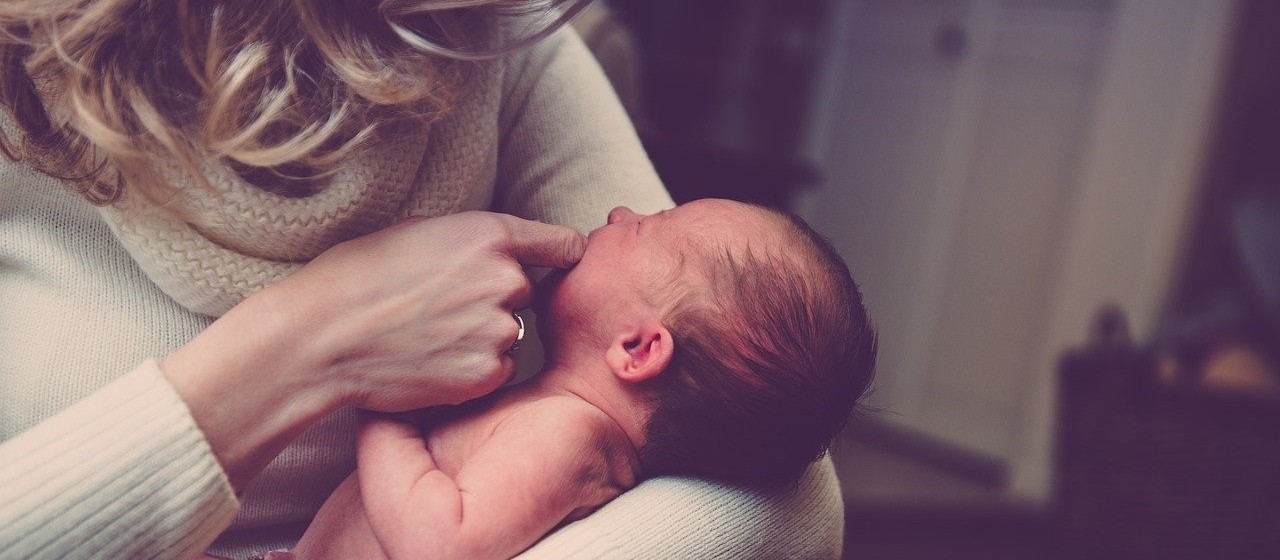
(248, 238)
(99, 458)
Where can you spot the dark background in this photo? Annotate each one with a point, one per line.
(725, 91)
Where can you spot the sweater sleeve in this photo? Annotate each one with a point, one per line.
(568, 155)
(568, 152)
(124, 473)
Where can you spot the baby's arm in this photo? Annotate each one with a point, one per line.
(540, 464)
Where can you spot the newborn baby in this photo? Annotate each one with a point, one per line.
(716, 339)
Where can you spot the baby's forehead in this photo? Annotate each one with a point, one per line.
(731, 226)
(724, 220)
(710, 235)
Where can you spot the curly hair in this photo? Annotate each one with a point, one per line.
(767, 368)
(277, 88)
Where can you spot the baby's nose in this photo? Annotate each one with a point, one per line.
(621, 213)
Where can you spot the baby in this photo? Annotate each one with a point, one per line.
(716, 339)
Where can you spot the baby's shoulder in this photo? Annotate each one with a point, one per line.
(563, 416)
(578, 432)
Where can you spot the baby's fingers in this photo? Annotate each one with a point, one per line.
(391, 455)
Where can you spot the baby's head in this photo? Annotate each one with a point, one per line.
(742, 327)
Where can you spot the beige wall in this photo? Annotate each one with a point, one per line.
(989, 201)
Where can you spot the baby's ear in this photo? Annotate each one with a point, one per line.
(640, 353)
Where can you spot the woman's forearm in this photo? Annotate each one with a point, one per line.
(249, 381)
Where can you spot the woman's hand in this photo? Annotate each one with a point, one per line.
(421, 313)
(415, 315)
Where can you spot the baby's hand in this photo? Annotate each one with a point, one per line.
(400, 488)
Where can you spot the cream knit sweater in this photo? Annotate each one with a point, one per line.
(99, 458)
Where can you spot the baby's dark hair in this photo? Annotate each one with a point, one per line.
(769, 362)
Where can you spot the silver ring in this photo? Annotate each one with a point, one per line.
(519, 333)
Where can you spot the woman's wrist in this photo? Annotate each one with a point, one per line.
(251, 384)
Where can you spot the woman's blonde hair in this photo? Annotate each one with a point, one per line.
(280, 89)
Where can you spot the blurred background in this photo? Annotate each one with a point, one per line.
(1062, 214)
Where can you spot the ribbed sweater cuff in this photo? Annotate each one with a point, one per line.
(124, 473)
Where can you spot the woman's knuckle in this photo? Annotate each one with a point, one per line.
(490, 374)
(502, 330)
(489, 229)
(513, 278)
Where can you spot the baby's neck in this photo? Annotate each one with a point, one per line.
(603, 391)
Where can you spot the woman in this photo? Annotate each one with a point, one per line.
(249, 161)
